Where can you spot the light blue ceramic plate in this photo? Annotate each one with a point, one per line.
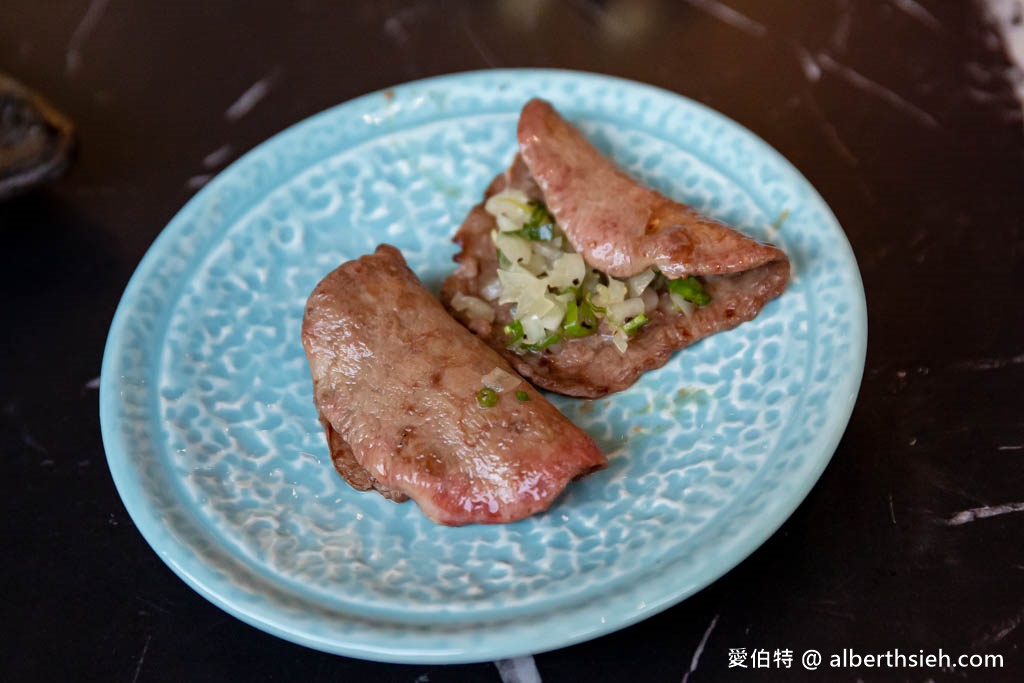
(213, 442)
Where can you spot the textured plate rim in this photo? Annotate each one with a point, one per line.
(781, 505)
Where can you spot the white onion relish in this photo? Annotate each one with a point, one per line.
(554, 294)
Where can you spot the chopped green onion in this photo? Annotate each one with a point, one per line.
(633, 325)
(513, 332)
(487, 397)
(522, 395)
(588, 299)
(503, 261)
(538, 234)
(690, 289)
(580, 320)
(539, 215)
(783, 215)
(544, 343)
(540, 226)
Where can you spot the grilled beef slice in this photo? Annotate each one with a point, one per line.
(621, 228)
(396, 380)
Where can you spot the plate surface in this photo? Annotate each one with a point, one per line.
(212, 438)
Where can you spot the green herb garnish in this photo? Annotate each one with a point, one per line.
(503, 261)
(539, 226)
(487, 397)
(522, 395)
(575, 290)
(634, 324)
(580, 320)
(513, 332)
(544, 343)
(783, 215)
(690, 289)
(588, 299)
(543, 232)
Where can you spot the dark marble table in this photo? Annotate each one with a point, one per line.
(903, 114)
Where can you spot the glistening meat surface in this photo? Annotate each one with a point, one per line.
(621, 228)
(618, 225)
(395, 381)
